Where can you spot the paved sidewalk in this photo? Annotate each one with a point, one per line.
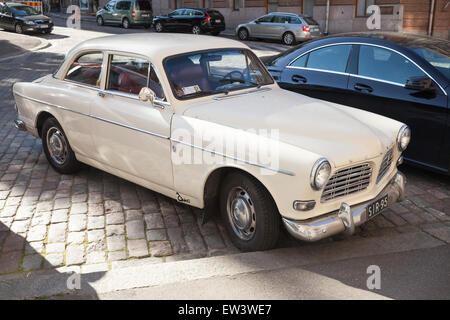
(97, 222)
(12, 44)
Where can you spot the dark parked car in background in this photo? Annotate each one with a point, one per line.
(21, 18)
(126, 13)
(404, 77)
(195, 21)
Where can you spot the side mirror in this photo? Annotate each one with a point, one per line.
(147, 94)
(421, 83)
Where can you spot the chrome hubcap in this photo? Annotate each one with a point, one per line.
(241, 213)
(57, 145)
(288, 38)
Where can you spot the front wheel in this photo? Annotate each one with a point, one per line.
(57, 148)
(159, 27)
(243, 34)
(100, 21)
(19, 28)
(249, 213)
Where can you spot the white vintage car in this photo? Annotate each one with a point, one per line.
(200, 120)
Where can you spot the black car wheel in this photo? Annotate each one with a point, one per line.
(125, 23)
(288, 38)
(215, 33)
(19, 28)
(146, 26)
(57, 148)
(100, 21)
(243, 34)
(196, 29)
(159, 27)
(249, 213)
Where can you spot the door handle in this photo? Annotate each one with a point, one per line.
(297, 78)
(362, 87)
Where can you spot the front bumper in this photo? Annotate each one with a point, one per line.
(346, 218)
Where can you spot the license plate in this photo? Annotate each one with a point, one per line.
(376, 207)
(145, 15)
(218, 21)
(44, 26)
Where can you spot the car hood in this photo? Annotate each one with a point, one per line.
(34, 17)
(327, 129)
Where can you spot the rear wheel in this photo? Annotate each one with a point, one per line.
(19, 28)
(249, 213)
(100, 21)
(159, 27)
(288, 38)
(57, 148)
(243, 34)
(125, 23)
(215, 33)
(196, 29)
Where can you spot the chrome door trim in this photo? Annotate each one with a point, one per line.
(320, 70)
(366, 44)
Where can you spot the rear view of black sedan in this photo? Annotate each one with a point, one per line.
(403, 77)
(196, 21)
(21, 18)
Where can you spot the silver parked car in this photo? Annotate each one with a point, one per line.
(288, 27)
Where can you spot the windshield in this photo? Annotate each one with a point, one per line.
(219, 71)
(23, 11)
(439, 60)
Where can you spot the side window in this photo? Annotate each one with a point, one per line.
(123, 5)
(131, 74)
(300, 62)
(332, 58)
(384, 64)
(279, 19)
(294, 20)
(86, 69)
(265, 19)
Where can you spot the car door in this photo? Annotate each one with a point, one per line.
(173, 19)
(108, 15)
(320, 73)
(278, 26)
(261, 26)
(7, 20)
(121, 11)
(131, 135)
(379, 86)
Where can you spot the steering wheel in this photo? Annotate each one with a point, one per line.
(230, 75)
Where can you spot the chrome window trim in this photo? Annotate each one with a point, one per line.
(158, 135)
(157, 103)
(80, 54)
(366, 44)
(320, 70)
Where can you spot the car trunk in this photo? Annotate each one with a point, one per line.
(217, 18)
(314, 28)
(143, 10)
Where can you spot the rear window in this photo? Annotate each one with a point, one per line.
(214, 14)
(143, 5)
(310, 21)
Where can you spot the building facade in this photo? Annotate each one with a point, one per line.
(415, 16)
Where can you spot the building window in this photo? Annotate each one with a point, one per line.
(236, 5)
(361, 7)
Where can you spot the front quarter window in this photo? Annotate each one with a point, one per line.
(218, 71)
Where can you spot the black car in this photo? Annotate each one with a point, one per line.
(191, 20)
(21, 18)
(404, 77)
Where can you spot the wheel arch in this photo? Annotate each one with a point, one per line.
(40, 119)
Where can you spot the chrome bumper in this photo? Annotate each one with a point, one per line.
(19, 124)
(346, 218)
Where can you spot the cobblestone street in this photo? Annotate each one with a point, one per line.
(93, 221)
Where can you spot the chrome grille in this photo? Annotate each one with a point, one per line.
(347, 181)
(385, 165)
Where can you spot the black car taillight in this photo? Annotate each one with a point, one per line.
(208, 18)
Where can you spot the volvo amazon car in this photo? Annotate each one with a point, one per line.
(22, 18)
(204, 123)
(403, 77)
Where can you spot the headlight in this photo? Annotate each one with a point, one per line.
(29, 22)
(403, 138)
(320, 173)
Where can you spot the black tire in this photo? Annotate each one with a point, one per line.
(196, 29)
(159, 27)
(215, 33)
(48, 31)
(100, 21)
(18, 28)
(70, 163)
(263, 211)
(243, 34)
(146, 26)
(288, 39)
(126, 23)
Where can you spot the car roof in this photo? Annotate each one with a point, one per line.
(155, 45)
